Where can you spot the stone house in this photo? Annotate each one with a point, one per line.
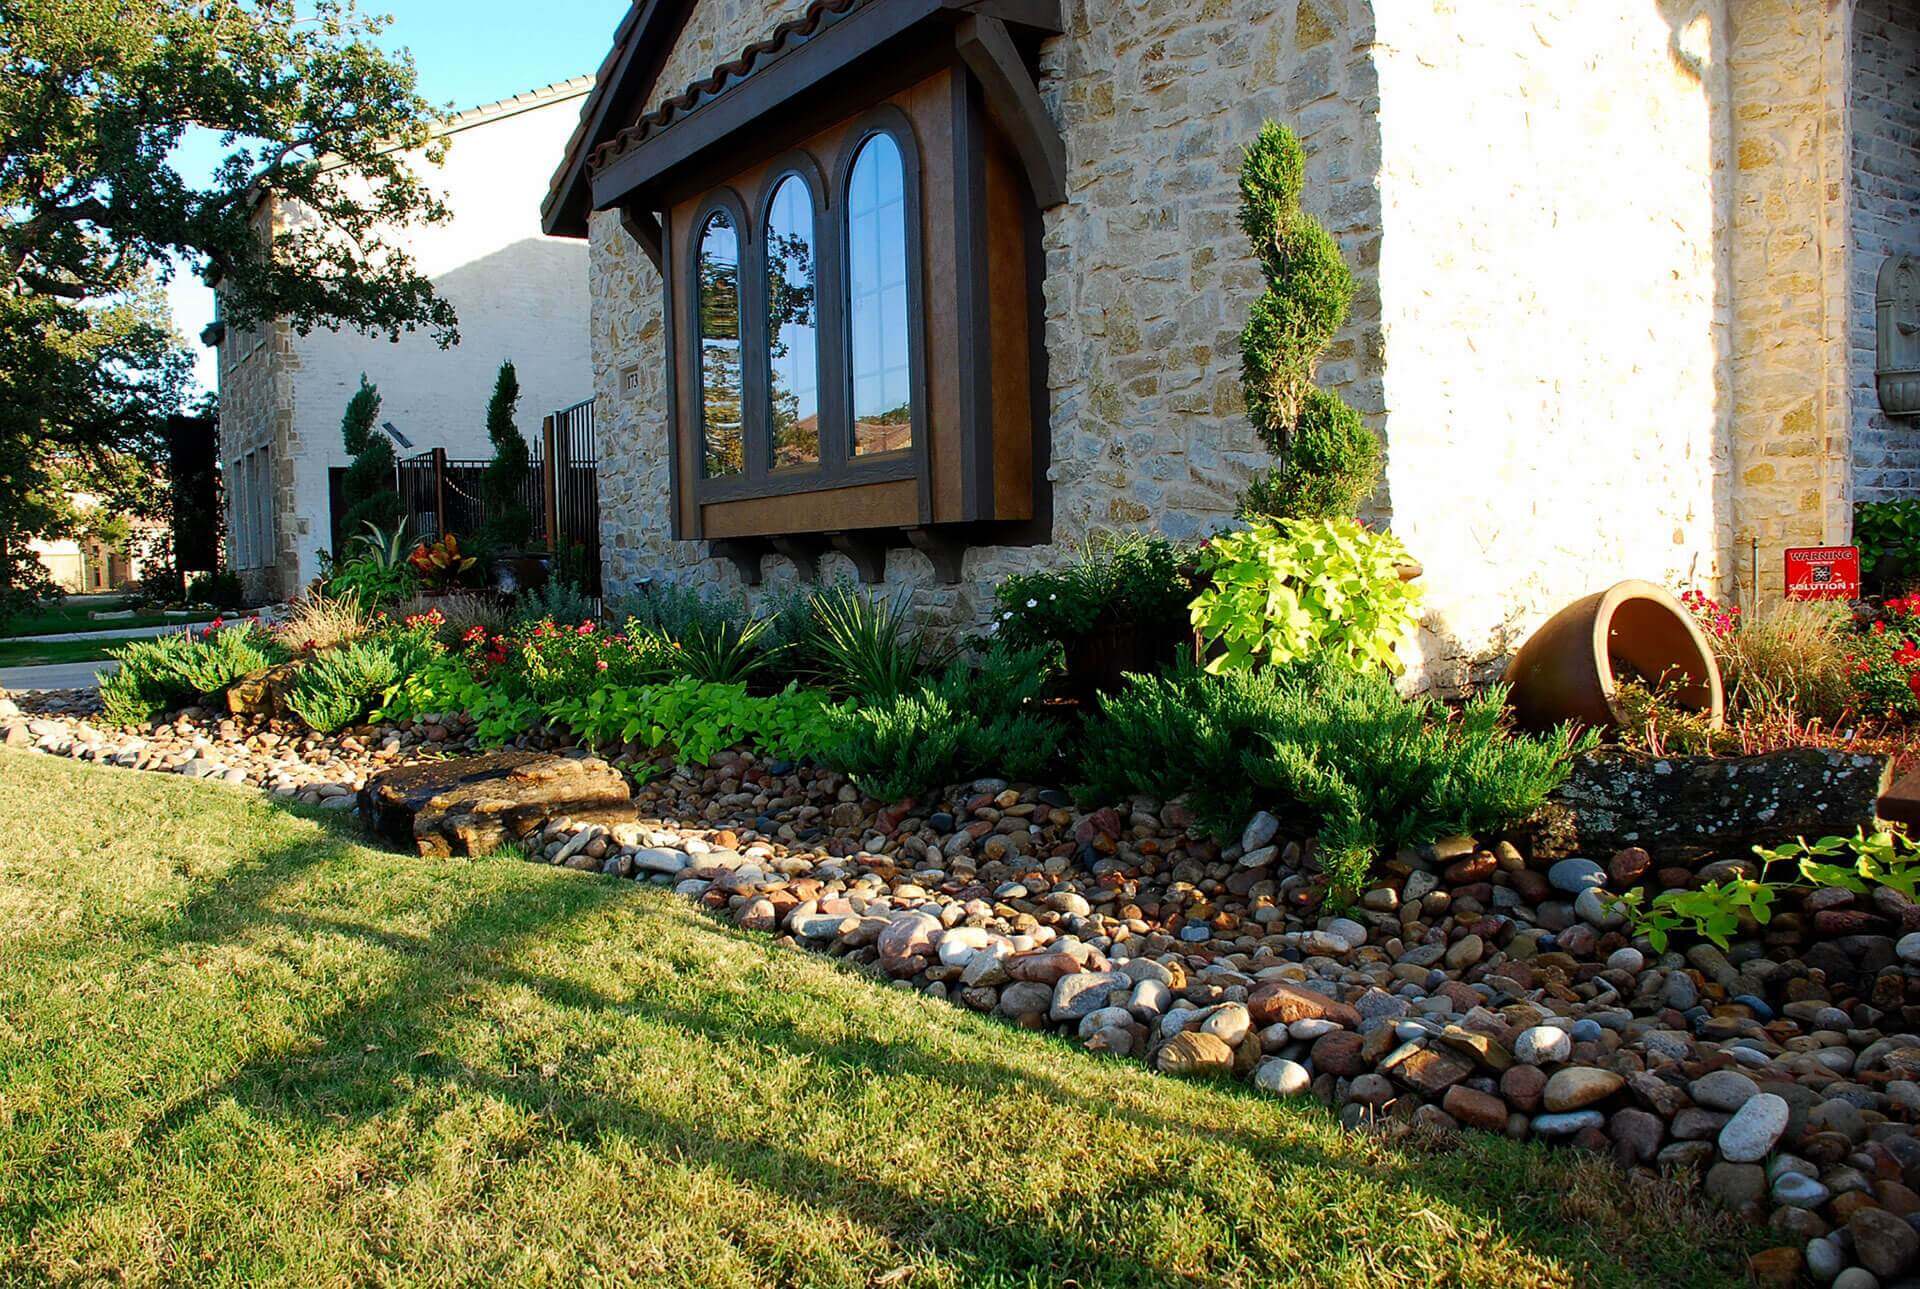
(518, 294)
(1618, 265)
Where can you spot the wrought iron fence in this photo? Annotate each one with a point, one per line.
(445, 494)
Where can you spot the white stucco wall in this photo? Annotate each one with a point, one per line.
(1549, 303)
(519, 295)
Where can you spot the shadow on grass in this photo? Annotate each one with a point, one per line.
(360, 1059)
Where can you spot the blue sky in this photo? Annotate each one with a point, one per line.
(467, 52)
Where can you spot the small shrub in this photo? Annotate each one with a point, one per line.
(368, 486)
(460, 615)
(1888, 535)
(222, 589)
(503, 485)
(1277, 593)
(1115, 579)
(557, 601)
(225, 654)
(673, 611)
(151, 679)
(723, 651)
(375, 571)
(973, 719)
(551, 661)
(863, 646)
(339, 687)
(1369, 770)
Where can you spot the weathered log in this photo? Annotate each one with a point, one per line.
(475, 805)
(1681, 808)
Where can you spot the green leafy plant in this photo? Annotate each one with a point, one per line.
(1339, 748)
(1280, 592)
(1116, 578)
(726, 651)
(225, 654)
(1888, 535)
(1330, 461)
(1717, 910)
(697, 719)
(863, 646)
(164, 672)
(974, 718)
(509, 523)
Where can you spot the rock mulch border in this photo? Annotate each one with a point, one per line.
(1471, 987)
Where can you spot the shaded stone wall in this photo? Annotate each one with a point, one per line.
(1147, 277)
(1551, 303)
(1885, 178)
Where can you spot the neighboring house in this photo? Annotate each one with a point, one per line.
(90, 564)
(519, 295)
(1617, 263)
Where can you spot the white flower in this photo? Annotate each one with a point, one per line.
(1033, 604)
(1053, 597)
(993, 628)
(1007, 616)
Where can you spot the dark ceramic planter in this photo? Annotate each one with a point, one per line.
(519, 574)
(1566, 670)
(1099, 660)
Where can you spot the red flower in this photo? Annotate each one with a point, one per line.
(1913, 682)
(586, 628)
(1879, 627)
(1906, 655)
(600, 664)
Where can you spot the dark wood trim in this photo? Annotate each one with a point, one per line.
(868, 551)
(1014, 101)
(645, 41)
(643, 226)
(683, 520)
(784, 483)
(970, 305)
(1040, 16)
(865, 31)
(946, 552)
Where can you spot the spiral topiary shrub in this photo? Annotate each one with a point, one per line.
(1329, 460)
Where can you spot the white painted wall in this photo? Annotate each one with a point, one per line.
(1548, 284)
(519, 294)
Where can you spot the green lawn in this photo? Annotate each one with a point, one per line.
(238, 1047)
(35, 653)
(71, 614)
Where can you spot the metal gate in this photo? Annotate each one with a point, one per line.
(445, 495)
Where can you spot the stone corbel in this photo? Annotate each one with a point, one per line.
(868, 553)
(805, 552)
(945, 552)
(744, 553)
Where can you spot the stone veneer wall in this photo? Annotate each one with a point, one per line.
(1550, 297)
(1885, 169)
(1147, 277)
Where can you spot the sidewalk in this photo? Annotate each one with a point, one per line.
(59, 675)
(124, 633)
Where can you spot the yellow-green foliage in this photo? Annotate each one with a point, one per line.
(1330, 461)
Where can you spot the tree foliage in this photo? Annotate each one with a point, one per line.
(1330, 461)
(96, 96)
(503, 487)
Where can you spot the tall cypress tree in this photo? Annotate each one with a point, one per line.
(368, 487)
(509, 522)
(1330, 461)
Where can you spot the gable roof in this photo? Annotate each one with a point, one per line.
(514, 105)
(640, 46)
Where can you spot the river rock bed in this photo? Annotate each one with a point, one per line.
(1473, 986)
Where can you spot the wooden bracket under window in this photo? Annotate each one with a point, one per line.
(1014, 102)
(744, 553)
(805, 552)
(945, 552)
(644, 228)
(868, 553)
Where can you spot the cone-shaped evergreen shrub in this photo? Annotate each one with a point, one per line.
(368, 485)
(1330, 461)
(509, 522)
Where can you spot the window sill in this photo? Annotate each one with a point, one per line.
(786, 483)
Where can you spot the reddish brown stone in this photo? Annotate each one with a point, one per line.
(1474, 868)
(1781, 1266)
(1042, 967)
(1338, 1053)
(1628, 866)
(1283, 1001)
(1523, 1086)
(1480, 1110)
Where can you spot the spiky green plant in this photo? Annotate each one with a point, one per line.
(1330, 461)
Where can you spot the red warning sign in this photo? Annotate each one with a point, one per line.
(1823, 572)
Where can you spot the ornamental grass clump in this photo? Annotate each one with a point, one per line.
(1330, 461)
(1341, 751)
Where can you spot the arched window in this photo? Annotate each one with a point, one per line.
(793, 327)
(879, 341)
(721, 421)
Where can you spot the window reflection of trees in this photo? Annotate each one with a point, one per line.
(792, 330)
(720, 402)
